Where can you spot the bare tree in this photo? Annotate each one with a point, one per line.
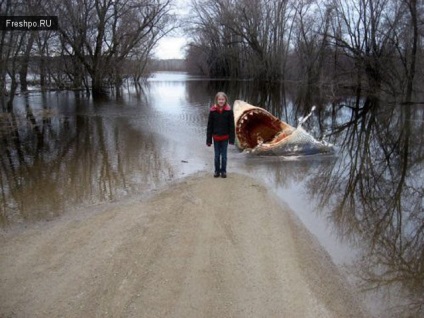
(212, 39)
(310, 47)
(367, 38)
(243, 38)
(373, 47)
(13, 45)
(102, 34)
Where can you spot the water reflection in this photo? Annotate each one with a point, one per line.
(374, 194)
(61, 150)
(51, 162)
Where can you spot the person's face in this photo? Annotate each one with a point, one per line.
(221, 101)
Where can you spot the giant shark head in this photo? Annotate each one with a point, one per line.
(259, 132)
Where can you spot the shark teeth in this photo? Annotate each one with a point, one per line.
(244, 129)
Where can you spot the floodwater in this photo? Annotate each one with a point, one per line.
(61, 153)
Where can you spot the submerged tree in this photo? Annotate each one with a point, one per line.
(96, 40)
(242, 38)
(373, 47)
(12, 46)
(102, 34)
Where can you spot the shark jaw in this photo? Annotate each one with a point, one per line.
(256, 127)
(261, 133)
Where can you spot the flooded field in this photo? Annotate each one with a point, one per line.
(61, 153)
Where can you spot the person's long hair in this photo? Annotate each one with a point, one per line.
(221, 94)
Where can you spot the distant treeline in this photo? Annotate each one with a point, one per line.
(60, 76)
(169, 65)
(324, 46)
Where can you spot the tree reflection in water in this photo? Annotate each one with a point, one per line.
(100, 153)
(52, 161)
(375, 194)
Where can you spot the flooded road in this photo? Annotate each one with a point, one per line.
(61, 153)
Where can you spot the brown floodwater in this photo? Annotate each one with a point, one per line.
(61, 152)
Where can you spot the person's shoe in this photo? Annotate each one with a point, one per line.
(224, 175)
(216, 175)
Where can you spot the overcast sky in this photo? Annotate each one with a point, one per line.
(172, 47)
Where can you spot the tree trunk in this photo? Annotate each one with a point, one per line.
(42, 72)
(13, 88)
(23, 71)
(97, 89)
(411, 72)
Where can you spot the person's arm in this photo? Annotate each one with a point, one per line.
(232, 135)
(209, 130)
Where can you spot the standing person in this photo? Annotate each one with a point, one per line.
(221, 130)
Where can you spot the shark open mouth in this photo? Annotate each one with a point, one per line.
(256, 126)
(260, 132)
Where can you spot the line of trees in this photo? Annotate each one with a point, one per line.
(98, 42)
(370, 46)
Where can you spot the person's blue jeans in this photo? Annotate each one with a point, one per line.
(220, 148)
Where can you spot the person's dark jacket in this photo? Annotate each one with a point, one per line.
(220, 125)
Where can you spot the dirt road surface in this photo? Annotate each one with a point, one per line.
(202, 247)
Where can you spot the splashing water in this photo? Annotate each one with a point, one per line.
(302, 120)
(300, 142)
